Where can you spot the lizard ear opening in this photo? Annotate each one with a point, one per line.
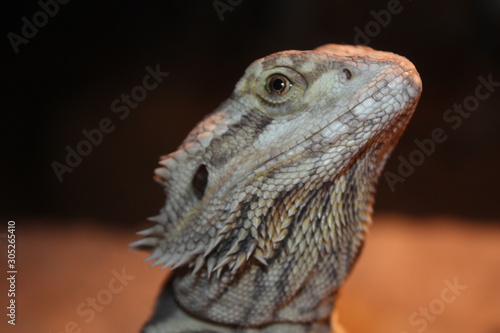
(200, 181)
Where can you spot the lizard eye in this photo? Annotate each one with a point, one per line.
(278, 84)
(279, 88)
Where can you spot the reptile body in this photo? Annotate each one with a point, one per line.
(270, 196)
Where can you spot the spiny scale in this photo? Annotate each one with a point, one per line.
(270, 196)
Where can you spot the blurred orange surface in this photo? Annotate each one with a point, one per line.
(434, 275)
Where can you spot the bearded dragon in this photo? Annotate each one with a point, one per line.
(270, 196)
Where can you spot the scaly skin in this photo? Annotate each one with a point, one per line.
(269, 197)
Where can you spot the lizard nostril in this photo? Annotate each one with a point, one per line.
(347, 73)
(200, 181)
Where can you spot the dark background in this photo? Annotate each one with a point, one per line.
(65, 78)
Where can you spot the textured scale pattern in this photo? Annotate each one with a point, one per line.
(270, 196)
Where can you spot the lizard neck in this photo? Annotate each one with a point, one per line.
(314, 254)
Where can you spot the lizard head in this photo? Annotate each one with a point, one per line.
(301, 142)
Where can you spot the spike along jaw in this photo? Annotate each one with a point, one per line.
(296, 119)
